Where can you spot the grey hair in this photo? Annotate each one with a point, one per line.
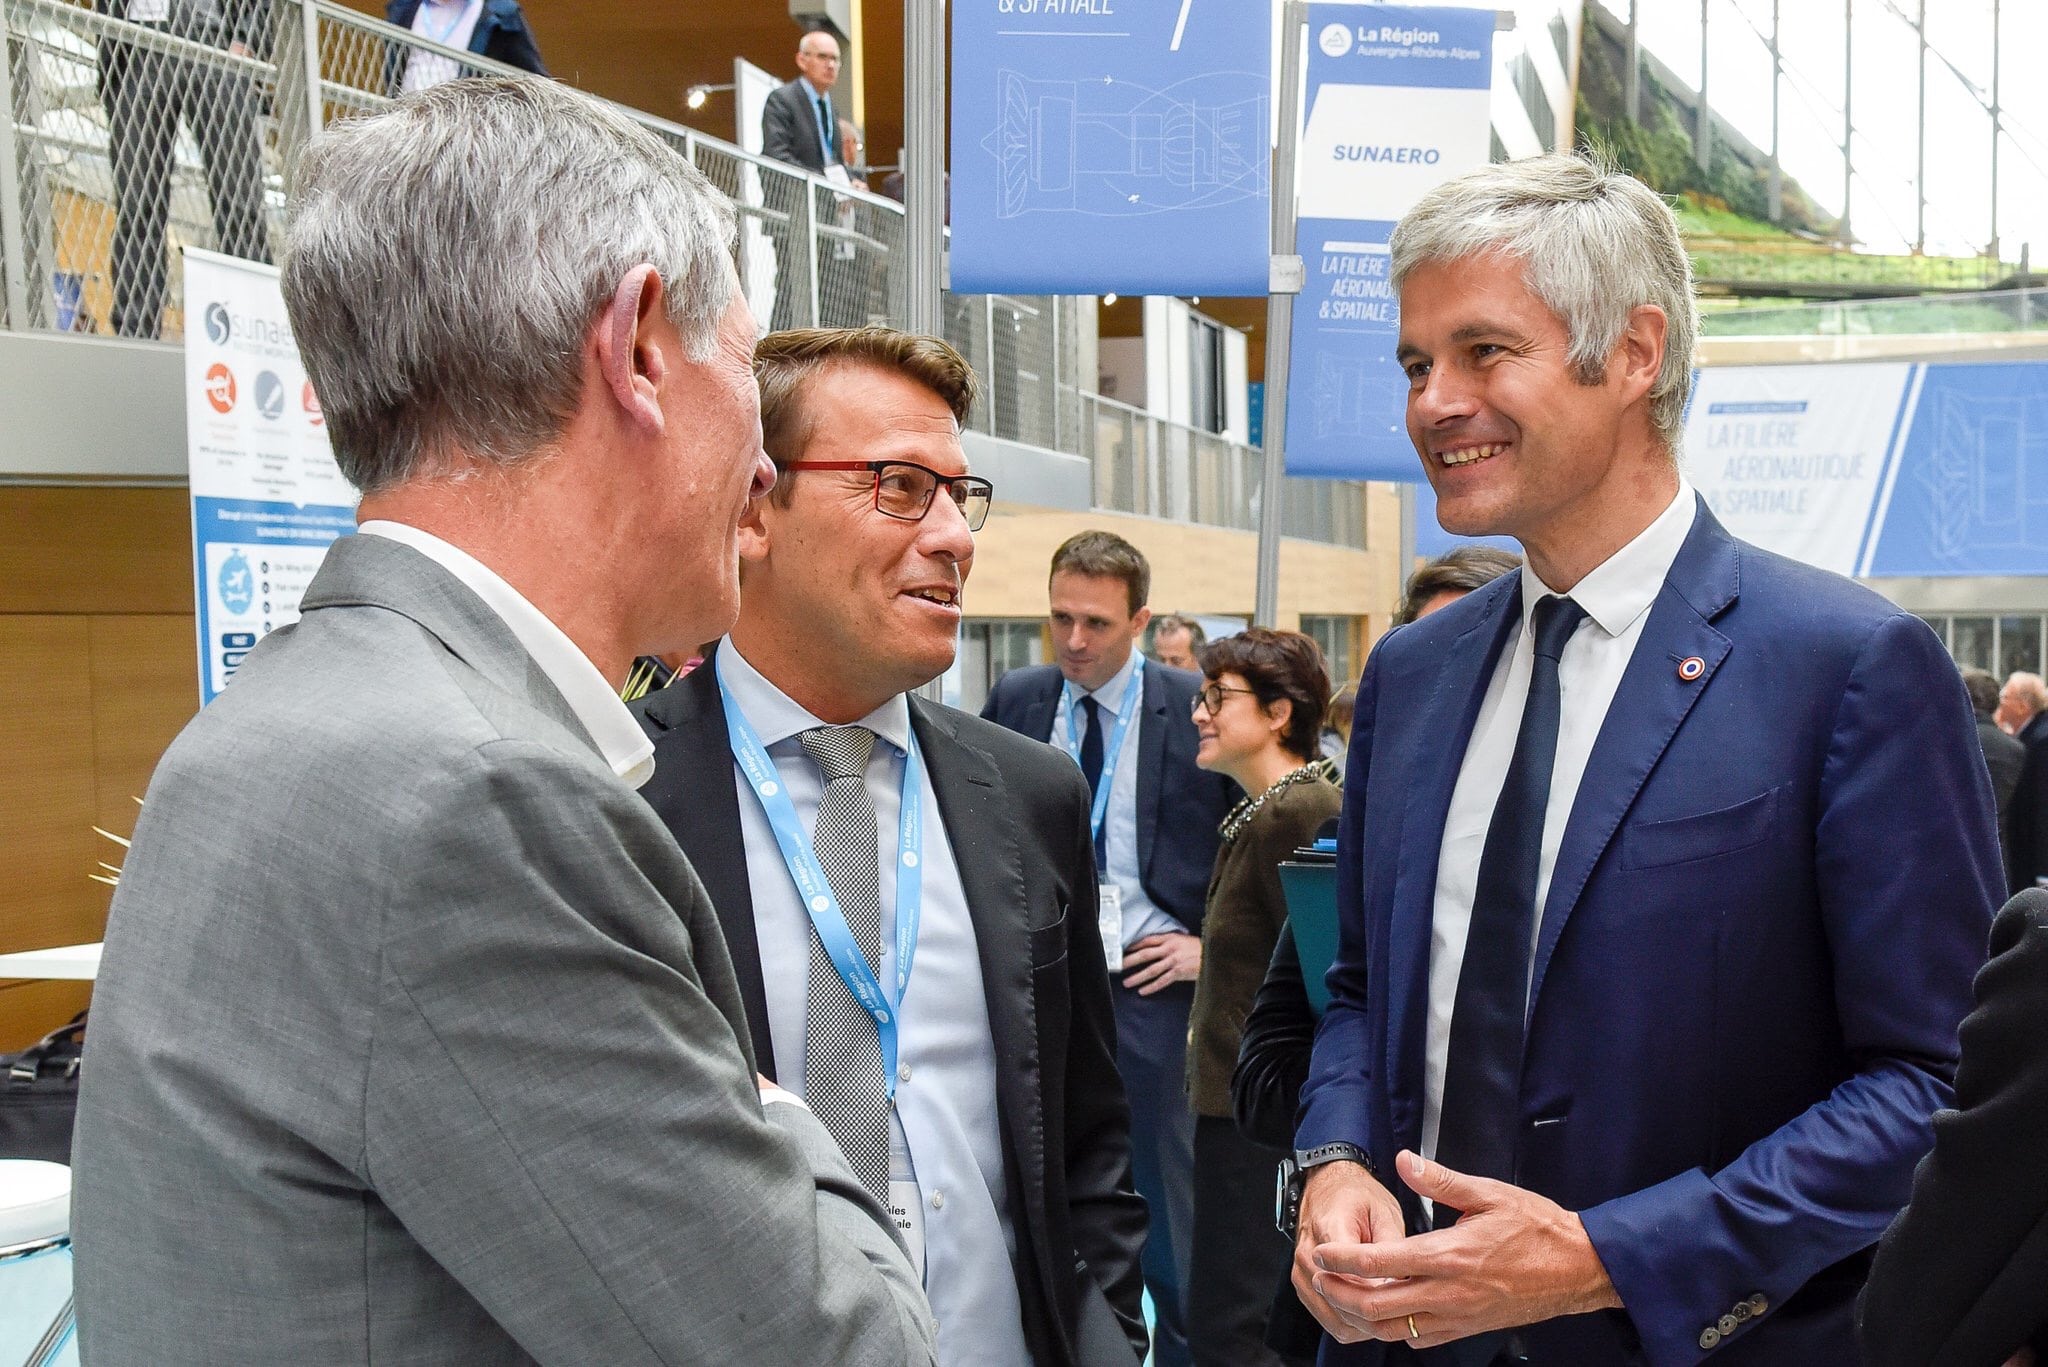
(1594, 242)
(446, 258)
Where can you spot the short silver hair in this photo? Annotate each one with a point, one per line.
(1594, 243)
(446, 258)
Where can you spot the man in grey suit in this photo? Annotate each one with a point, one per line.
(416, 1039)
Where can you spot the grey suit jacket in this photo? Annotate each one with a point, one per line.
(416, 1041)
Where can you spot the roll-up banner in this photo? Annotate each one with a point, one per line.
(1111, 146)
(267, 498)
(1875, 470)
(1398, 101)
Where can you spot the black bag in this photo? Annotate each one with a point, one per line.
(39, 1095)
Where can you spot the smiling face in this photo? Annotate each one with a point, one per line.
(1093, 626)
(868, 603)
(1238, 732)
(1512, 440)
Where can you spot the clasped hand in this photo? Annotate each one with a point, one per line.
(1514, 1258)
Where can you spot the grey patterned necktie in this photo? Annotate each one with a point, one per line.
(842, 1052)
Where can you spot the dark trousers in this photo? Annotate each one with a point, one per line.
(1238, 1256)
(1151, 1054)
(146, 92)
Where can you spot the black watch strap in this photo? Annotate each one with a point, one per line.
(1293, 1176)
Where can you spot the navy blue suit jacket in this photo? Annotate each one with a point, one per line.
(1774, 887)
(501, 35)
(1179, 804)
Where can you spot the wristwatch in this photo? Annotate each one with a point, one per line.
(1293, 1176)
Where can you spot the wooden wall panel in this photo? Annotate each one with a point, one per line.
(85, 551)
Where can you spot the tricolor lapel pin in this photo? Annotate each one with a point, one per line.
(1691, 667)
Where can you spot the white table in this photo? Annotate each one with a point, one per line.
(77, 962)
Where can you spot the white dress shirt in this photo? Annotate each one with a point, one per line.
(1617, 598)
(451, 23)
(944, 1123)
(594, 701)
(1141, 916)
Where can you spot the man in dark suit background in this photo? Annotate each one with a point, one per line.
(1663, 867)
(800, 127)
(1129, 726)
(495, 29)
(2023, 712)
(1007, 1127)
(2004, 755)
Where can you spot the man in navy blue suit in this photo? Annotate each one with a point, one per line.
(1664, 863)
(1129, 724)
(496, 29)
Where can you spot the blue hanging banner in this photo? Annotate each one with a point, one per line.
(1398, 102)
(1111, 146)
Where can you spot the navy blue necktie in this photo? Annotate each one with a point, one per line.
(1091, 768)
(1483, 1074)
(827, 143)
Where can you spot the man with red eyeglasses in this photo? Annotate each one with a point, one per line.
(908, 892)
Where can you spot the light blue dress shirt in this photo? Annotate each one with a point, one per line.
(945, 1114)
(1120, 822)
(821, 104)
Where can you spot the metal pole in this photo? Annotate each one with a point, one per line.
(1920, 162)
(1848, 104)
(1285, 284)
(1703, 126)
(1777, 185)
(13, 247)
(1635, 67)
(924, 164)
(1997, 118)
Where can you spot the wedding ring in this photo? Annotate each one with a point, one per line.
(1413, 1332)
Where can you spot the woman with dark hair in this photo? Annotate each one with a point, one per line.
(1259, 717)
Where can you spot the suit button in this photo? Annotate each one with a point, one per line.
(1757, 1304)
(1744, 1312)
(1727, 1325)
(1710, 1338)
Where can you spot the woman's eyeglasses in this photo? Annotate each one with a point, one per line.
(1211, 697)
(905, 490)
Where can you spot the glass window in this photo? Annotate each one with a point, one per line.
(990, 649)
(1338, 636)
(2019, 646)
(1972, 642)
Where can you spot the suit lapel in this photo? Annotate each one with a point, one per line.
(1648, 708)
(1152, 722)
(1040, 708)
(694, 790)
(980, 827)
(1432, 750)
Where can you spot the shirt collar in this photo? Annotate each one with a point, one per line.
(1622, 587)
(595, 702)
(777, 717)
(812, 91)
(1109, 697)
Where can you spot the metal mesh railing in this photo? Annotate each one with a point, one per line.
(132, 140)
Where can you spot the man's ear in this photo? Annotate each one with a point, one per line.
(1142, 618)
(754, 534)
(1642, 349)
(631, 355)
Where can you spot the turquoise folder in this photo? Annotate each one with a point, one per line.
(1310, 884)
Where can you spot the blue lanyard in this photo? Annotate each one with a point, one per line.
(816, 891)
(1114, 750)
(461, 8)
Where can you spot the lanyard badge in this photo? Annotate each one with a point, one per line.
(815, 891)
